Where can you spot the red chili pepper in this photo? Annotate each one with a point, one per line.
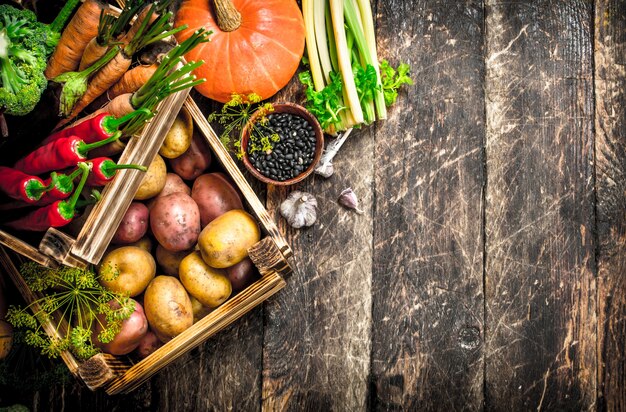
(103, 170)
(97, 128)
(61, 186)
(57, 214)
(21, 186)
(60, 154)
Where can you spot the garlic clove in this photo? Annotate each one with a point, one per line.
(300, 209)
(347, 198)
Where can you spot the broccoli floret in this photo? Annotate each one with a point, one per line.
(22, 60)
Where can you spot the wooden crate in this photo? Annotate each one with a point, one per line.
(118, 374)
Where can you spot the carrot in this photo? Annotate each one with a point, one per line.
(100, 82)
(79, 31)
(115, 69)
(99, 45)
(120, 106)
(148, 12)
(132, 80)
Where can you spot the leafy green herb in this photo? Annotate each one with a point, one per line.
(367, 86)
(235, 114)
(392, 80)
(325, 104)
(78, 297)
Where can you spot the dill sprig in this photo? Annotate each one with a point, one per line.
(76, 296)
(233, 117)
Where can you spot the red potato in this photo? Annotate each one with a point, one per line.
(134, 224)
(215, 196)
(195, 161)
(130, 335)
(242, 275)
(173, 184)
(175, 222)
(148, 344)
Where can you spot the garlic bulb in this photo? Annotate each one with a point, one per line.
(300, 209)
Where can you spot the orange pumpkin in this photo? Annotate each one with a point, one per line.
(255, 47)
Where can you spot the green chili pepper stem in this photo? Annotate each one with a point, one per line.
(84, 148)
(34, 189)
(92, 199)
(67, 208)
(110, 124)
(109, 167)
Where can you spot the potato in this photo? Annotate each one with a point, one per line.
(175, 222)
(144, 243)
(153, 181)
(178, 138)
(6, 339)
(199, 310)
(148, 344)
(130, 335)
(169, 261)
(225, 241)
(195, 161)
(242, 275)
(210, 286)
(173, 184)
(215, 196)
(167, 307)
(134, 224)
(134, 267)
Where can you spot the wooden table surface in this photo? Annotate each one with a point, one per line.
(488, 271)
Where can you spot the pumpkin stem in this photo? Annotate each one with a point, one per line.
(228, 18)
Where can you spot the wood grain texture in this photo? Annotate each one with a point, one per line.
(317, 331)
(428, 241)
(610, 93)
(539, 285)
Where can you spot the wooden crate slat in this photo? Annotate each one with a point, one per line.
(25, 250)
(117, 196)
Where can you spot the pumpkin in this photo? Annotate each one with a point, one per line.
(255, 47)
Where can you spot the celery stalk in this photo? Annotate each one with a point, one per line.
(368, 28)
(332, 48)
(343, 58)
(308, 12)
(321, 39)
(364, 57)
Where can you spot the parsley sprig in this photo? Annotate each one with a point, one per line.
(392, 79)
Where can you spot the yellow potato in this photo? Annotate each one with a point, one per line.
(225, 241)
(199, 310)
(210, 286)
(167, 307)
(178, 138)
(144, 243)
(127, 269)
(169, 261)
(153, 180)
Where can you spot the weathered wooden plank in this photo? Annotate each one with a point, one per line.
(428, 241)
(610, 87)
(317, 330)
(540, 289)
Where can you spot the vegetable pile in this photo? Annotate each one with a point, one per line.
(94, 54)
